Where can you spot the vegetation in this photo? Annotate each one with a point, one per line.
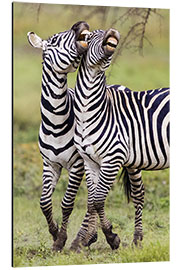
(32, 242)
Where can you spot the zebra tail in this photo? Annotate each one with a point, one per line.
(126, 183)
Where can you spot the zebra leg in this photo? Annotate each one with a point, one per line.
(106, 179)
(87, 234)
(50, 179)
(112, 238)
(78, 241)
(75, 177)
(91, 235)
(137, 194)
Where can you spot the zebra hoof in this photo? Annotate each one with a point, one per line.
(112, 238)
(115, 243)
(60, 242)
(138, 237)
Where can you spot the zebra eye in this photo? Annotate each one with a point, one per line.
(54, 40)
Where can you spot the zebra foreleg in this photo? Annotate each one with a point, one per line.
(50, 179)
(75, 177)
(91, 233)
(92, 176)
(106, 180)
(87, 234)
(77, 243)
(137, 194)
(59, 243)
(112, 238)
(91, 236)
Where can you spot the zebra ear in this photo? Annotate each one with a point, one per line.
(34, 40)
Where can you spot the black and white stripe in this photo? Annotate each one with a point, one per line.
(116, 127)
(61, 55)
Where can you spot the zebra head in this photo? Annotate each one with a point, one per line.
(63, 50)
(101, 46)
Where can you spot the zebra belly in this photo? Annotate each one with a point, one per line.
(140, 160)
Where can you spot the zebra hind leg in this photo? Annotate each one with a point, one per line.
(50, 178)
(87, 234)
(91, 235)
(137, 194)
(92, 239)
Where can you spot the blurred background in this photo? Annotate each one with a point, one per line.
(141, 63)
(139, 66)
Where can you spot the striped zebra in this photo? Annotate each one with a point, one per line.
(116, 127)
(61, 55)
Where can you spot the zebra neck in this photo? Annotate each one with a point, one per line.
(56, 102)
(90, 95)
(54, 86)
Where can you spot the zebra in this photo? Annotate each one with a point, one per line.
(116, 127)
(61, 54)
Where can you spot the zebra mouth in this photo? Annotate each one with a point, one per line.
(110, 41)
(83, 38)
(81, 30)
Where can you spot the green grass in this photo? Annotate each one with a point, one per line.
(32, 241)
(140, 73)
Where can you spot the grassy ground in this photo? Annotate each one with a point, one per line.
(32, 242)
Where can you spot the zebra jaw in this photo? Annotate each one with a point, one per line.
(83, 37)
